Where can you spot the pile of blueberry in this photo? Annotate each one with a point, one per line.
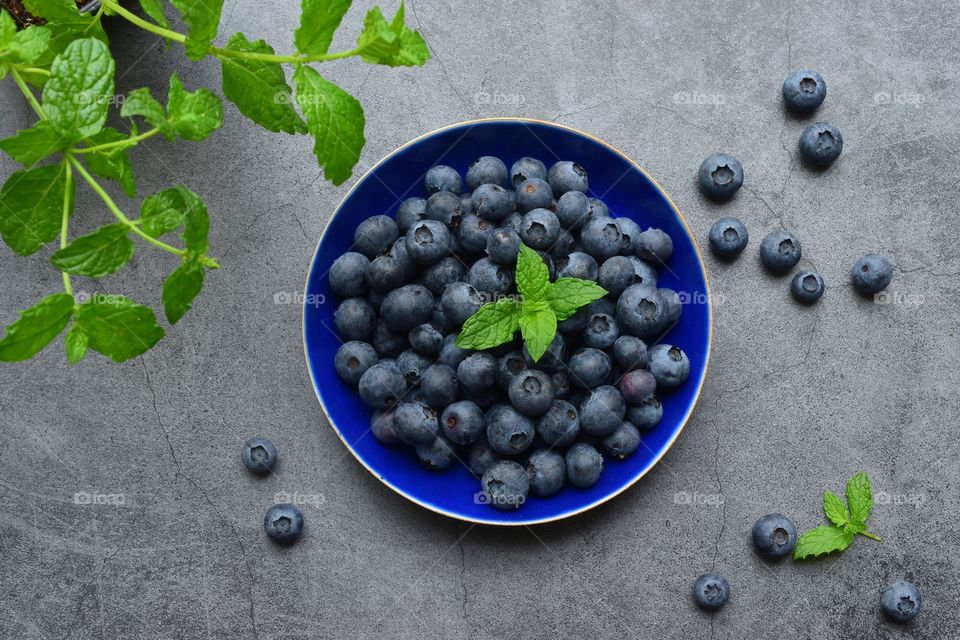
(721, 175)
(523, 427)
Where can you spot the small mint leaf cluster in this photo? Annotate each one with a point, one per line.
(847, 523)
(540, 306)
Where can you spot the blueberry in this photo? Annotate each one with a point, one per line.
(575, 324)
(481, 457)
(644, 273)
(526, 168)
(353, 359)
(645, 415)
(485, 398)
(404, 308)
(459, 301)
(567, 176)
(622, 442)
(630, 234)
(552, 358)
(462, 422)
(711, 591)
(389, 270)
(436, 454)
(509, 432)
(381, 425)
(601, 331)
(473, 233)
(871, 273)
(492, 278)
(900, 601)
(439, 385)
(259, 455)
(283, 523)
(820, 144)
(655, 245)
(561, 384)
(539, 229)
(669, 365)
(493, 202)
(560, 425)
(478, 372)
(348, 274)
(533, 193)
(425, 339)
(447, 271)
(509, 366)
(450, 354)
(563, 246)
(578, 265)
(547, 472)
(641, 310)
(513, 221)
(674, 305)
(531, 392)
(388, 344)
(382, 386)
(774, 536)
(412, 365)
(355, 319)
(616, 274)
(412, 210)
(375, 235)
(807, 287)
(603, 305)
(415, 423)
(486, 170)
(720, 176)
(584, 464)
(804, 91)
(630, 352)
(442, 178)
(444, 207)
(601, 238)
(505, 485)
(602, 411)
(728, 237)
(596, 208)
(572, 210)
(466, 204)
(780, 250)
(589, 367)
(637, 386)
(503, 245)
(428, 241)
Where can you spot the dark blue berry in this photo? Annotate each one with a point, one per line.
(637, 386)
(531, 392)
(589, 367)
(426, 340)
(820, 144)
(348, 274)
(481, 457)
(728, 237)
(445, 207)
(601, 331)
(491, 278)
(436, 454)
(415, 423)
(382, 385)
(562, 246)
(526, 168)
(871, 273)
(644, 272)
(478, 372)
(602, 411)
(669, 365)
(451, 354)
(654, 245)
(462, 422)
(578, 265)
(506, 485)
(584, 465)
(447, 271)
(720, 176)
(473, 234)
(711, 591)
(807, 287)
(503, 246)
(353, 359)
(641, 310)
(509, 366)
(616, 274)
(283, 523)
(412, 210)
(428, 241)
(459, 301)
(259, 455)
(439, 385)
(630, 236)
(442, 178)
(389, 270)
(404, 308)
(547, 472)
(493, 202)
(533, 194)
(804, 91)
(630, 352)
(560, 425)
(486, 170)
(355, 319)
(601, 238)
(375, 235)
(774, 536)
(412, 365)
(900, 601)
(388, 343)
(381, 425)
(597, 209)
(573, 210)
(539, 229)
(646, 415)
(567, 176)
(509, 432)
(622, 442)
(780, 250)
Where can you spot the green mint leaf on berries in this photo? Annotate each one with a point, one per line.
(848, 521)
(541, 306)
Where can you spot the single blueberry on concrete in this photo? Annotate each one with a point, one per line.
(259, 455)
(720, 176)
(820, 144)
(728, 237)
(780, 250)
(774, 536)
(804, 91)
(283, 523)
(807, 287)
(871, 274)
(711, 591)
(900, 601)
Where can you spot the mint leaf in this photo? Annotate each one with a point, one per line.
(860, 498)
(533, 276)
(566, 295)
(76, 344)
(259, 89)
(36, 327)
(392, 44)
(113, 164)
(202, 18)
(538, 325)
(29, 146)
(77, 95)
(193, 116)
(8, 29)
(319, 20)
(31, 45)
(335, 118)
(154, 9)
(180, 289)
(835, 510)
(31, 207)
(53, 10)
(196, 223)
(118, 327)
(140, 102)
(163, 212)
(821, 540)
(96, 255)
(493, 324)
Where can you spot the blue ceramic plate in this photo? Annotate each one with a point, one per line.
(614, 178)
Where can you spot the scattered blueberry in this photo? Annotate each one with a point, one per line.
(412, 365)
(578, 265)
(389, 270)
(720, 176)
(601, 331)
(774, 536)
(871, 273)
(602, 411)
(616, 274)
(900, 601)
(807, 287)
(728, 237)
(711, 591)
(473, 233)
(459, 301)
(447, 208)
(780, 250)
(283, 523)
(259, 455)
(447, 271)
(804, 91)
(491, 278)
(821, 144)
(642, 311)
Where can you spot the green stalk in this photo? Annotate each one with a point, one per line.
(65, 220)
(27, 93)
(117, 213)
(131, 141)
(871, 536)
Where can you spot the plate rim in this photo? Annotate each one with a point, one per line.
(565, 514)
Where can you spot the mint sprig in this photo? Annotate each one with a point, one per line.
(541, 305)
(848, 521)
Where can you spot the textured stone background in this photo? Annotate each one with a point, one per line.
(797, 399)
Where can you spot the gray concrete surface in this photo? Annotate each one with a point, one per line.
(796, 401)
